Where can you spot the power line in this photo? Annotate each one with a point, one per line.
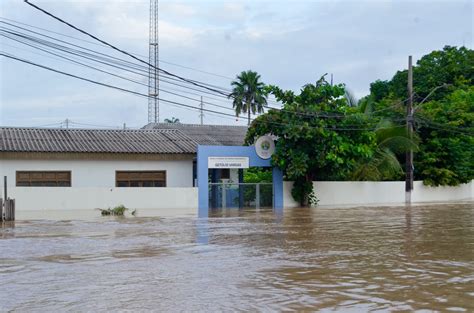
(101, 126)
(102, 45)
(103, 84)
(95, 56)
(118, 49)
(88, 56)
(334, 128)
(334, 115)
(431, 124)
(223, 91)
(324, 115)
(116, 75)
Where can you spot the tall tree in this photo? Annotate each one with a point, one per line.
(320, 137)
(248, 94)
(444, 113)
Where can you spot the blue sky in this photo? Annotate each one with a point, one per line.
(290, 43)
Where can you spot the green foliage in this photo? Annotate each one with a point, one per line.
(248, 94)
(116, 211)
(320, 137)
(452, 66)
(447, 129)
(443, 85)
(384, 164)
(257, 175)
(173, 120)
(303, 192)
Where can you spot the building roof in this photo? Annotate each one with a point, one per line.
(95, 141)
(150, 140)
(213, 135)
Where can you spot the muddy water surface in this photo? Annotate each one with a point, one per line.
(362, 259)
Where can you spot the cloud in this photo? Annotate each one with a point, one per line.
(177, 10)
(289, 45)
(119, 24)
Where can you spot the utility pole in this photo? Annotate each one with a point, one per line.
(153, 74)
(66, 122)
(409, 120)
(201, 110)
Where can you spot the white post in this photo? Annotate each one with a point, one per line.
(257, 197)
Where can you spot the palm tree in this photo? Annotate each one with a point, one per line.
(248, 94)
(352, 101)
(384, 164)
(173, 120)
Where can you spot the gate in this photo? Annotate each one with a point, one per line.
(240, 195)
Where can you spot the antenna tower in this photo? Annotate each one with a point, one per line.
(153, 74)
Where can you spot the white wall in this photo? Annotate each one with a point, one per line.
(100, 173)
(371, 193)
(422, 193)
(176, 201)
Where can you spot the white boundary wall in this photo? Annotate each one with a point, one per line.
(370, 193)
(174, 201)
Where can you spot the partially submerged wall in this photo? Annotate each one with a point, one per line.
(177, 201)
(72, 202)
(372, 193)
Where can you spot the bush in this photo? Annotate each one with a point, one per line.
(116, 211)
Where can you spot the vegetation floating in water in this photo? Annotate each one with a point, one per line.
(116, 211)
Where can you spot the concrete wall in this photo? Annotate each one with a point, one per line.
(177, 201)
(422, 193)
(371, 193)
(100, 173)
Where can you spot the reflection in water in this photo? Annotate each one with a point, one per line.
(393, 258)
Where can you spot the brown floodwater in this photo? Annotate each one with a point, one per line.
(350, 260)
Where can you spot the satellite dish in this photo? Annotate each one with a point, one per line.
(265, 147)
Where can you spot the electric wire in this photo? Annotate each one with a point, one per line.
(87, 56)
(334, 128)
(326, 115)
(180, 78)
(119, 76)
(118, 49)
(224, 90)
(105, 85)
(107, 60)
(102, 45)
(428, 123)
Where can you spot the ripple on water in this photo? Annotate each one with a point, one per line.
(349, 260)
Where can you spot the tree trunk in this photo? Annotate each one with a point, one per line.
(249, 116)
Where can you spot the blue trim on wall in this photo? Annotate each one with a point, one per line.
(203, 152)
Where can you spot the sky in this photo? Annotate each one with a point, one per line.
(289, 43)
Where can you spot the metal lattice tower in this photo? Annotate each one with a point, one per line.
(153, 74)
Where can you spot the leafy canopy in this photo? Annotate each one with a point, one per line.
(320, 137)
(443, 85)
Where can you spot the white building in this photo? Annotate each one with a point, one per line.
(74, 169)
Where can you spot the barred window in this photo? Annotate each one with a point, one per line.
(140, 178)
(43, 179)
